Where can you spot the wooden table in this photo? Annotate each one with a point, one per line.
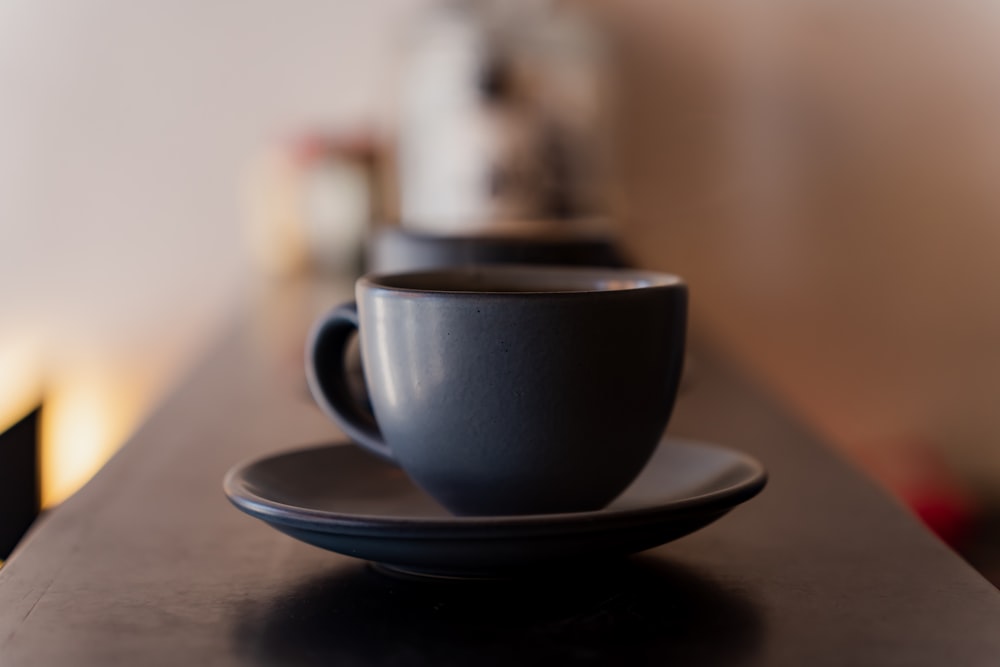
(150, 565)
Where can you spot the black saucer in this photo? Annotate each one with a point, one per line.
(342, 499)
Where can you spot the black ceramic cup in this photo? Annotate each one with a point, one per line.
(508, 390)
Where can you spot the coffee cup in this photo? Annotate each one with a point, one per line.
(397, 249)
(506, 390)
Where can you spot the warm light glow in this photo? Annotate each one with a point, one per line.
(20, 380)
(87, 416)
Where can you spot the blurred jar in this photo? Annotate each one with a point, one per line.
(311, 201)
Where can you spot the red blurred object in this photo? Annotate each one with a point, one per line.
(310, 147)
(945, 511)
(919, 476)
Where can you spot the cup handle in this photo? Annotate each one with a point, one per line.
(326, 373)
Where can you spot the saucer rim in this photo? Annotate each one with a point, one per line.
(715, 502)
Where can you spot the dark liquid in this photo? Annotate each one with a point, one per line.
(529, 288)
(528, 283)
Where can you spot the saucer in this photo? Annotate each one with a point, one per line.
(345, 500)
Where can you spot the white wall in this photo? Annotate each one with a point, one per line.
(125, 130)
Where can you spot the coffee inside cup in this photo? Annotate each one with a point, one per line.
(520, 280)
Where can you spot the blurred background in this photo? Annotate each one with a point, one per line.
(820, 172)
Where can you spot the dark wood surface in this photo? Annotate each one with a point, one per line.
(150, 565)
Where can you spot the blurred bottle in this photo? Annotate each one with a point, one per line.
(503, 121)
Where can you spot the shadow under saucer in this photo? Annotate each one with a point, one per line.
(643, 610)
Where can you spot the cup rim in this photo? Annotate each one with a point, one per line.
(572, 280)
